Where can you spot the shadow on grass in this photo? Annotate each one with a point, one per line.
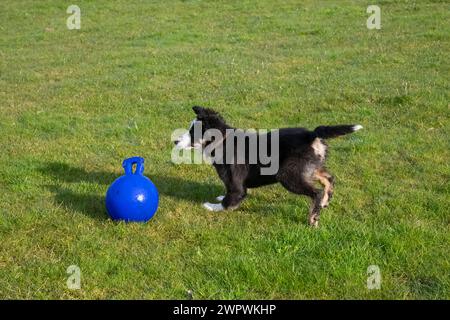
(62, 172)
(93, 205)
(64, 177)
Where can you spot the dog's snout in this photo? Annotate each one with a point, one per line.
(183, 141)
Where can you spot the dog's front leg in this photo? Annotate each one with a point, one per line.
(236, 191)
(228, 202)
(233, 199)
(213, 206)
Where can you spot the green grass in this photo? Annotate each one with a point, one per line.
(74, 104)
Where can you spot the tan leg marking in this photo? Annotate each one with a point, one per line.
(323, 177)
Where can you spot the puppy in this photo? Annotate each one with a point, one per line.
(300, 155)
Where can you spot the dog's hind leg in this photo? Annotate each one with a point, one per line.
(305, 188)
(297, 179)
(314, 211)
(326, 180)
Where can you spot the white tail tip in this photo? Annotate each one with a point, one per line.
(357, 127)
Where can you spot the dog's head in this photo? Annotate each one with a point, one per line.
(195, 137)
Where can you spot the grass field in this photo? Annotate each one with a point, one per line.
(75, 103)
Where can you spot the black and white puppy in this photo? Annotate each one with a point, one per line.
(301, 157)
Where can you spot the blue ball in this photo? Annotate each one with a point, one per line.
(132, 197)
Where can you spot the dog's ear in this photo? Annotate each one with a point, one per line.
(205, 113)
(199, 111)
(209, 117)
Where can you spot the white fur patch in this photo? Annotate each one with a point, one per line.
(213, 206)
(357, 127)
(220, 198)
(184, 142)
(319, 148)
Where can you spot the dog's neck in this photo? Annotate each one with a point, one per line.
(226, 130)
(220, 142)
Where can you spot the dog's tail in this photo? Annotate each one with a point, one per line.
(326, 132)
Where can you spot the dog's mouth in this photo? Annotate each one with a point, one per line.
(184, 143)
(186, 140)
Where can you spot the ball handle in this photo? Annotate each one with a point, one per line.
(128, 165)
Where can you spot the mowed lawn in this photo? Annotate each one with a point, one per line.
(75, 103)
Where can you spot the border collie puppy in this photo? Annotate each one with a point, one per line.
(301, 161)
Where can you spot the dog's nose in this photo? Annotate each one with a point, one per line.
(176, 142)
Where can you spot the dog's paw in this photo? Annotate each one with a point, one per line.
(314, 220)
(213, 206)
(220, 198)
